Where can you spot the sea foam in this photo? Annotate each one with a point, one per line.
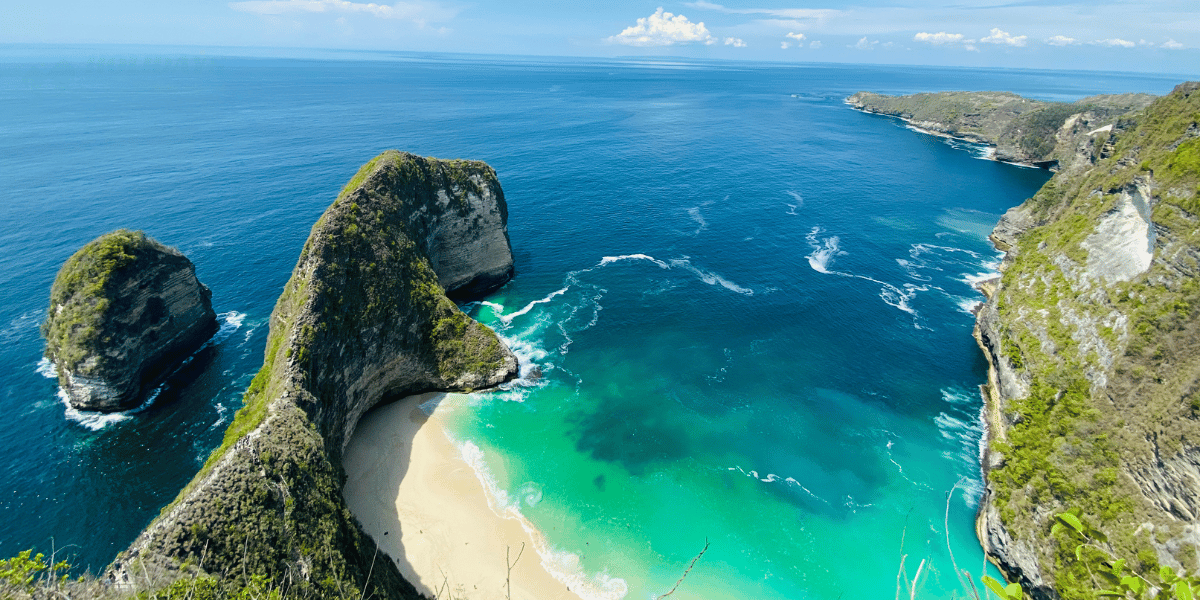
(822, 254)
(230, 322)
(564, 566)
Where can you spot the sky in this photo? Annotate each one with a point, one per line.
(1128, 35)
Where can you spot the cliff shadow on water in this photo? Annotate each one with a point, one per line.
(365, 318)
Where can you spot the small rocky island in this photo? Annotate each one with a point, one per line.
(364, 319)
(124, 311)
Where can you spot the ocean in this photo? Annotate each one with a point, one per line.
(744, 309)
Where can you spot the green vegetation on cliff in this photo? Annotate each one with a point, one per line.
(79, 296)
(362, 320)
(1020, 129)
(1109, 352)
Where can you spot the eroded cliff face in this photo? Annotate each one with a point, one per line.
(1093, 338)
(365, 318)
(124, 311)
(1053, 135)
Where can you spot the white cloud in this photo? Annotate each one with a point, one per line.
(1113, 42)
(865, 44)
(784, 45)
(735, 42)
(815, 45)
(941, 38)
(1003, 37)
(663, 29)
(1171, 44)
(1062, 40)
(799, 37)
(419, 12)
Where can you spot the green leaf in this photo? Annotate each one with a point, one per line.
(1112, 593)
(1071, 520)
(1167, 574)
(995, 586)
(1014, 591)
(1079, 552)
(1118, 567)
(1109, 578)
(1133, 584)
(1055, 529)
(1183, 591)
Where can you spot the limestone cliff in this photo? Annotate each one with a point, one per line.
(124, 311)
(1052, 135)
(1093, 338)
(364, 318)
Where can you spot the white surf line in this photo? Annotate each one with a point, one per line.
(230, 322)
(711, 278)
(772, 478)
(607, 260)
(562, 565)
(572, 279)
(823, 253)
(528, 307)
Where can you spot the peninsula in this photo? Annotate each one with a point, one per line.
(1018, 130)
(364, 319)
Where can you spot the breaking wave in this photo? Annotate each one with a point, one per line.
(564, 566)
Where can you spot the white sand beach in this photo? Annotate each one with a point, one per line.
(413, 492)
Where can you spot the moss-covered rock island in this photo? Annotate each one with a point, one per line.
(1093, 338)
(124, 310)
(365, 318)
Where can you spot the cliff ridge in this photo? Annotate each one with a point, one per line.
(1092, 335)
(364, 319)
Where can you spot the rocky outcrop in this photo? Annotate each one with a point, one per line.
(1051, 135)
(124, 311)
(364, 319)
(1092, 336)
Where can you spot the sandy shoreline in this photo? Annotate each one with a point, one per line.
(415, 495)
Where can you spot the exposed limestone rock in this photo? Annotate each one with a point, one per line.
(124, 311)
(363, 319)
(1093, 342)
(1123, 243)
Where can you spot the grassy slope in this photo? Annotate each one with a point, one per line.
(266, 508)
(1073, 442)
(81, 289)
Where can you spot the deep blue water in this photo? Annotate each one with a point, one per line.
(788, 365)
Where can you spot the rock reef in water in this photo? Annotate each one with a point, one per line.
(124, 311)
(1092, 334)
(1020, 130)
(364, 318)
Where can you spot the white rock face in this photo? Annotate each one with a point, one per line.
(1122, 245)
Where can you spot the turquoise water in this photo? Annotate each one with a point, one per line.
(743, 307)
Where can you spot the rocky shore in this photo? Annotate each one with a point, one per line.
(1050, 135)
(1092, 335)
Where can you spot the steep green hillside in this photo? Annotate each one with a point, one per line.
(1020, 130)
(1094, 339)
(363, 319)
